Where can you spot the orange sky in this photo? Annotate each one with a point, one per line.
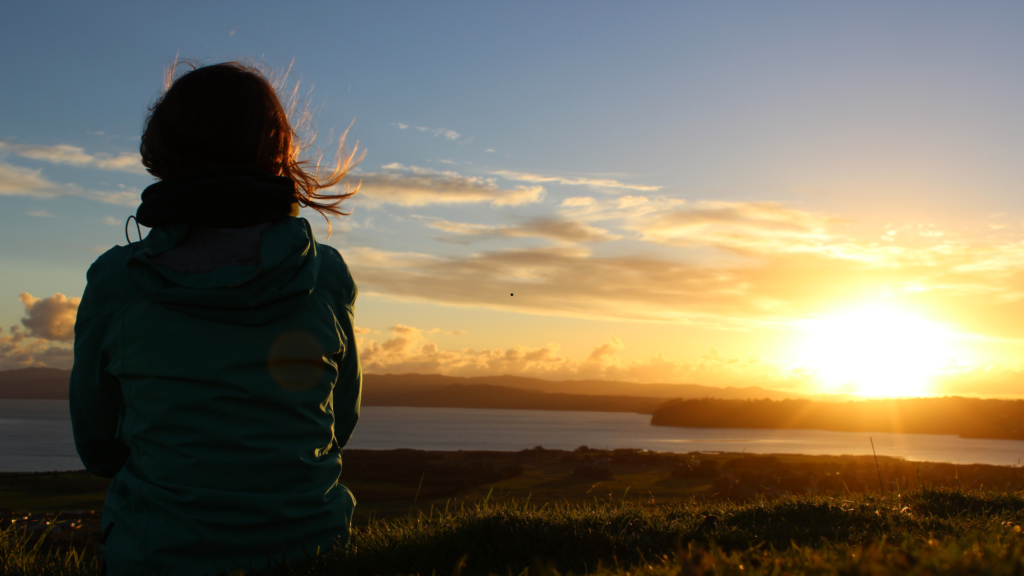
(819, 199)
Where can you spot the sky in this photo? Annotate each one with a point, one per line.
(812, 197)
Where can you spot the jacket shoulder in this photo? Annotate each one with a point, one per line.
(108, 287)
(336, 277)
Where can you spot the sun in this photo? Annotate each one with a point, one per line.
(876, 350)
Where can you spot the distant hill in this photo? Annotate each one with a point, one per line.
(411, 382)
(488, 396)
(453, 391)
(34, 383)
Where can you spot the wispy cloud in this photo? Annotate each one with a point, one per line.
(568, 281)
(598, 183)
(21, 181)
(415, 186)
(772, 269)
(760, 226)
(75, 156)
(558, 229)
(765, 227)
(445, 132)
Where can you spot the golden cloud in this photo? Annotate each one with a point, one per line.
(51, 318)
(731, 265)
(598, 183)
(558, 229)
(415, 186)
(408, 349)
(19, 350)
(48, 323)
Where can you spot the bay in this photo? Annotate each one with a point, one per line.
(35, 435)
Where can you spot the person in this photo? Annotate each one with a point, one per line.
(216, 377)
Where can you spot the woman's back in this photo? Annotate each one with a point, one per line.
(216, 379)
(230, 413)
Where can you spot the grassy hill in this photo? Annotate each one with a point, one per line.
(621, 512)
(920, 532)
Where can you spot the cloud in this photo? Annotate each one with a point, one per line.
(41, 214)
(449, 134)
(568, 281)
(20, 181)
(18, 350)
(598, 183)
(409, 349)
(48, 324)
(75, 156)
(558, 229)
(447, 332)
(734, 267)
(759, 226)
(414, 186)
(51, 318)
(740, 227)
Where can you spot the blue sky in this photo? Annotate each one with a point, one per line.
(671, 188)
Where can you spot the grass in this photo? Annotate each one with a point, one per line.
(927, 531)
(479, 513)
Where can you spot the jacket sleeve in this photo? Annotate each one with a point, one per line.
(95, 396)
(348, 389)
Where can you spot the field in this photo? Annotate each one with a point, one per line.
(610, 511)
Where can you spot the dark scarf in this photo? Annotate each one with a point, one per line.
(228, 197)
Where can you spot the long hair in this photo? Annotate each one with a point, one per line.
(229, 114)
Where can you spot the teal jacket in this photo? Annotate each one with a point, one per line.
(218, 401)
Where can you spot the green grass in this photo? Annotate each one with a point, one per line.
(925, 531)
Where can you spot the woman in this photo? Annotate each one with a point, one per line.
(216, 377)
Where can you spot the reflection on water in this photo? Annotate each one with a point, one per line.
(35, 435)
(464, 428)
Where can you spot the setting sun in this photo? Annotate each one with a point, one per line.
(876, 351)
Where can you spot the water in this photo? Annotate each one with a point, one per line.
(35, 435)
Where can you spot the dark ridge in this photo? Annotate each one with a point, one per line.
(386, 389)
(34, 384)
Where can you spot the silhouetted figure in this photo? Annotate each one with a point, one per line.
(216, 377)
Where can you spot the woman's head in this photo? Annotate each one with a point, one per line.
(229, 114)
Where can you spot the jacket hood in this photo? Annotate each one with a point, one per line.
(246, 294)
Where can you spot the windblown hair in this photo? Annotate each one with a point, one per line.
(229, 114)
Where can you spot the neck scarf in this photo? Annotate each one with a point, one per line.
(227, 197)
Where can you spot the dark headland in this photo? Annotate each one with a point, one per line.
(681, 405)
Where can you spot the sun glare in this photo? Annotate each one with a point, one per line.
(877, 351)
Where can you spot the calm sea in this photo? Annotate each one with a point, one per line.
(35, 435)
